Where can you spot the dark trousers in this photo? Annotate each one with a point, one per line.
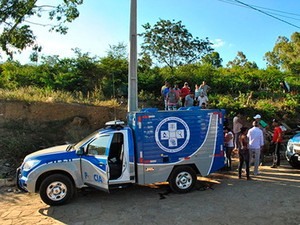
(228, 156)
(244, 157)
(276, 154)
(182, 101)
(262, 157)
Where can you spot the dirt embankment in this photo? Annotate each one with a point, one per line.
(27, 127)
(40, 112)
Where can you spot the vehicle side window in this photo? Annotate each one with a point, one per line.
(98, 146)
(116, 147)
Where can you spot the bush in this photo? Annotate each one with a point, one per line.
(20, 139)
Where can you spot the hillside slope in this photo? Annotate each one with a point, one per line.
(27, 127)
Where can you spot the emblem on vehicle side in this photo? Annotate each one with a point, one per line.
(172, 134)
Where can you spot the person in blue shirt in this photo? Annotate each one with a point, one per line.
(164, 93)
(189, 100)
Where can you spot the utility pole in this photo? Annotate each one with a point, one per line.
(132, 68)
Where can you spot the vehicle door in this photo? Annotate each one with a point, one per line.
(94, 163)
(118, 159)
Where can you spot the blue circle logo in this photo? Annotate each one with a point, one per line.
(172, 134)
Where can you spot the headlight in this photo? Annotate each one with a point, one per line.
(290, 146)
(28, 165)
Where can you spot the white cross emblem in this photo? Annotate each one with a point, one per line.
(175, 138)
(172, 134)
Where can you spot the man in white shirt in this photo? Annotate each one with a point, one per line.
(256, 142)
(202, 99)
(263, 126)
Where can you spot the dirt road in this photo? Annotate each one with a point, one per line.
(269, 198)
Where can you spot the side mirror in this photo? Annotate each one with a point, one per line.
(80, 151)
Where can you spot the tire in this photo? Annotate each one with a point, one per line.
(56, 189)
(182, 179)
(295, 165)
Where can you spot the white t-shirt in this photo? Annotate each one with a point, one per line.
(236, 125)
(230, 142)
(203, 99)
(256, 138)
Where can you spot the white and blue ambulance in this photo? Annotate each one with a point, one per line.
(155, 146)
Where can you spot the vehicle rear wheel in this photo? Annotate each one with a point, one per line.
(56, 189)
(182, 179)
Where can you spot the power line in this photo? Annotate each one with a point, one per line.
(242, 4)
(277, 14)
(268, 14)
(233, 2)
(275, 10)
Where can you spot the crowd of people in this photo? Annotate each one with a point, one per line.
(249, 142)
(175, 97)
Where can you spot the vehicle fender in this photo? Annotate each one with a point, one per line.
(70, 168)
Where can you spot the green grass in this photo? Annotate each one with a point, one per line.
(269, 104)
(34, 94)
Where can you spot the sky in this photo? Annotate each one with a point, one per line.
(232, 27)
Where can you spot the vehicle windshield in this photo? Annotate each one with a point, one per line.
(83, 141)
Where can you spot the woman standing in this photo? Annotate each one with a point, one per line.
(229, 145)
(243, 152)
(197, 94)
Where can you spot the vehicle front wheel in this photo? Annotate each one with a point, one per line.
(182, 179)
(294, 164)
(56, 189)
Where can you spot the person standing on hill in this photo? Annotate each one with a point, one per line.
(276, 141)
(202, 99)
(172, 99)
(164, 92)
(189, 100)
(178, 91)
(197, 91)
(185, 90)
(204, 88)
(164, 87)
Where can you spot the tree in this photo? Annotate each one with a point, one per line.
(213, 59)
(118, 51)
(81, 73)
(15, 15)
(285, 54)
(115, 71)
(170, 43)
(144, 62)
(241, 61)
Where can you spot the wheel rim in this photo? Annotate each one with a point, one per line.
(184, 180)
(56, 191)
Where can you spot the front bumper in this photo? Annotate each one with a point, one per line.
(293, 158)
(21, 182)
